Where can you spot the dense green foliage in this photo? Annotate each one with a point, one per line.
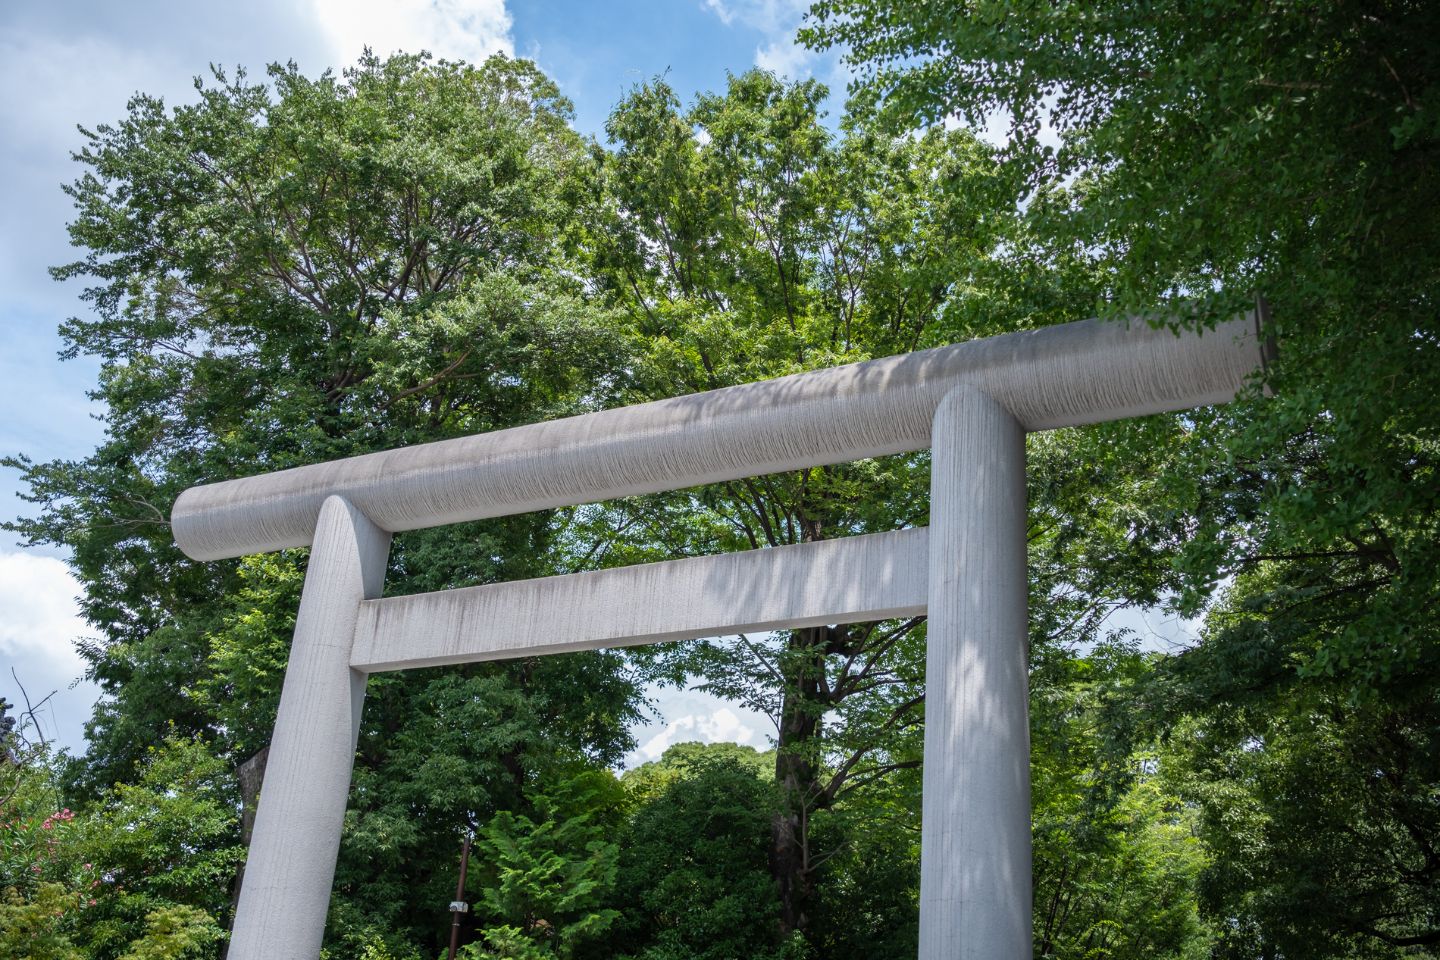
(144, 872)
(745, 241)
(302, 269)
(694, 879)
(289, 272)
(1207, 151)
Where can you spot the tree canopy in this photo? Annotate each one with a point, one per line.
(1206, 152)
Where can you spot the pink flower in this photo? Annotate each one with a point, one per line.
(58, 817)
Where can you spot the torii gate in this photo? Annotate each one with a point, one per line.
(971, 403)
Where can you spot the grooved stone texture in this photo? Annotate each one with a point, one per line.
(873, 577)
(1055, 376)
(975, 828)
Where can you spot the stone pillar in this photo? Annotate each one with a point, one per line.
(291, 864)
(975, 876)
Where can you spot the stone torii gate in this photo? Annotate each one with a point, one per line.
(971, 403)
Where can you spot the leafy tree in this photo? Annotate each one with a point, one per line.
(1118, 864)
(1206, 152)
(42, 882)
(505, 943)
(32, 928)
(694, 879)
(174, 932)
(868, 885)
(1319, 810)
(291, 276)
(544, 880)
(1116, 868)
(652, 778)
(297, 270)
(163, 849)
(142, 873)
(745, 241)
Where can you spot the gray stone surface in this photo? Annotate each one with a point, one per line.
(975, 826)
(873, 577)
(291, 864)
(1055, 376)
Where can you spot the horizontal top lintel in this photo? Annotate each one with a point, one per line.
(1064, 375)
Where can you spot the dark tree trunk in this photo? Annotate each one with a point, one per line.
(796, 775)
(250, 774)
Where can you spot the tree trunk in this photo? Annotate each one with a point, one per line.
(796, 776)
(250, 774)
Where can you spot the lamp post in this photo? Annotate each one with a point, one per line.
(458, 906)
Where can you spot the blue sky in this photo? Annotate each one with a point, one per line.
(74, 62)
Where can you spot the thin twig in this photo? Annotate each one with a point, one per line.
(30, 710)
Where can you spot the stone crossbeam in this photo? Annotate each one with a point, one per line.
(872, 577)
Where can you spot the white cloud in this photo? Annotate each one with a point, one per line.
(777, 21)
(767, 16)
(38, 613)
(697, 715)
(49, 86)
(785, 58)
(720, 726)
(468, 30)
(1157, 629)
(39, 624)
(721, 10)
